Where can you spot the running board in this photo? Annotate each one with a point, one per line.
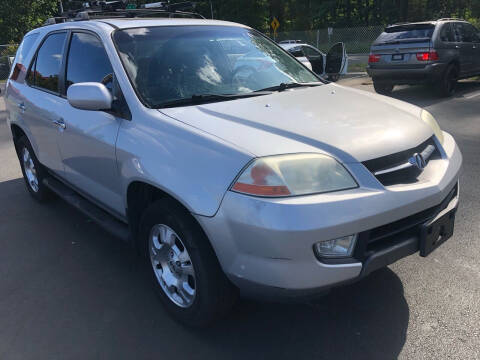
(94, 212)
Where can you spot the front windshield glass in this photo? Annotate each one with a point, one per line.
(168, 63)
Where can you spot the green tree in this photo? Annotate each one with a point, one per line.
(20, 16)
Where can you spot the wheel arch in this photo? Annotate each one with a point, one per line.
(17, 133)
(140, 195)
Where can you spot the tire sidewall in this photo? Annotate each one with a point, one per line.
(445, 86)
(167, 213)
(43, 192)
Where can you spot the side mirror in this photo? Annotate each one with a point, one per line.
(89, 96)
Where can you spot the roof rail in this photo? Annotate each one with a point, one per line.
(446, 19)
(118, 9)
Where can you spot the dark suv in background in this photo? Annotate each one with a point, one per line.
(435, 52)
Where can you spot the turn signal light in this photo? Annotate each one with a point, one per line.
(373, 58)
(427, 56)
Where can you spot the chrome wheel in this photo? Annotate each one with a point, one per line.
(172, 265)
(30, 171)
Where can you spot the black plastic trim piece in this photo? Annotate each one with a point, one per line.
(88, 208)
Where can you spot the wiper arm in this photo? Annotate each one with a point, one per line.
(207, 98)
(285, 86)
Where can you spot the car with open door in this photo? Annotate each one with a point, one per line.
(330, 65)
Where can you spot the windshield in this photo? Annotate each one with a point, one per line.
(168, 63)
(406, 33)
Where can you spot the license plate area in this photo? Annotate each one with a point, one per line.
(397, 57)
(435, 234)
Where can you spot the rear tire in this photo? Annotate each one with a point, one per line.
(383, 88)
(448, 83)
(33, 172)
(183, 266)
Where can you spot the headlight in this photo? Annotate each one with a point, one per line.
(291, 175)
(430, 120)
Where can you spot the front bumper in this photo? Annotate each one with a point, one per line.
(407, 75)
(265, 246)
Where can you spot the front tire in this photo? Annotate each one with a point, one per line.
(33, 171)
(383, 88)
(182, 265)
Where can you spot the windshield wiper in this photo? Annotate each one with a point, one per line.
(208, 98)
(285, 86)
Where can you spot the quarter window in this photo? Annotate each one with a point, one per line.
(46, 68)
(88, 61)
(22, 53)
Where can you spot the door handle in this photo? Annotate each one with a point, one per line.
(457, 46)
(22, 107)
(474, 46)
(60, 123)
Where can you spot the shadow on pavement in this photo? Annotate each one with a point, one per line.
(367, 320)
(425, 96)
(75, 292)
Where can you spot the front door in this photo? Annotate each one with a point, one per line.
(87, 144)
(336, 60)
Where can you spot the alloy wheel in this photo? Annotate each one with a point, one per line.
(30, 171)
(172, 265)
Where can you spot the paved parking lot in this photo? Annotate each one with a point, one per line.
(68, 290)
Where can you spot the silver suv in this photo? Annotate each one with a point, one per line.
(435, 52)
(224, 161)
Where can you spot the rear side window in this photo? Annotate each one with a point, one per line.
(406, 33)
(22, 53)
(45, 71)
(88, 61)
(447, 34)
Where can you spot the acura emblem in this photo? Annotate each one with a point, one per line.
(418, 160)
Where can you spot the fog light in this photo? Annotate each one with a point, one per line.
(336, 248)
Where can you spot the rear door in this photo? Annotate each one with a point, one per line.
(88, 142)
(336, 60)
(399, 45)
(466, 49)
(41, 103)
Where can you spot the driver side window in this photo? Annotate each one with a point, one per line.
(88, 61)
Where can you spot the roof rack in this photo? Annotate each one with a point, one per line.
(117, 9)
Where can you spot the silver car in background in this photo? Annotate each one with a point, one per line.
(227, 164)
(330, 65)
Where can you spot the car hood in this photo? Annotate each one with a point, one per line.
(350, 124)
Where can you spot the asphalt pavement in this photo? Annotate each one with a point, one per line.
(68, 290)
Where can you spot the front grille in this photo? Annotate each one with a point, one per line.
(403, 176)
(388, 235)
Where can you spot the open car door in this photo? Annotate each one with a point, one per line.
(336, 62)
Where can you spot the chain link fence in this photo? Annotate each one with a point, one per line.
(5, 66)
(357, 41)
(6, 61)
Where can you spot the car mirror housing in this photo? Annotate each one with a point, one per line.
(89, 96)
